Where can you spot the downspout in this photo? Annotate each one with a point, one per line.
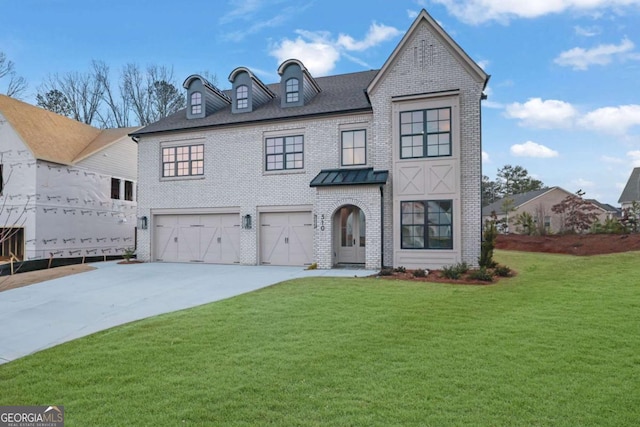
(381, 229)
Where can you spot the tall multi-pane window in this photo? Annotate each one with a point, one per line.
(354, 147)
(128, 190)
(425, 133)
(284, 153)
(115, 188)
(196, 103)
(292, 87)
(183, 161)
(242, 96)
(426, 224)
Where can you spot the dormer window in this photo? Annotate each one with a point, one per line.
(293, 90)
(242, 96)
(196, 103)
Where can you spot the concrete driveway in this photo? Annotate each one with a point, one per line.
(49, 313)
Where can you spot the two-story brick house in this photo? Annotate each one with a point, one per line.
(377, 168)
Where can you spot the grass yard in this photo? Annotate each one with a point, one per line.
(558, 345)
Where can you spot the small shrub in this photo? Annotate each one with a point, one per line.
(455, 271)
(419, 273)
(503, 271)
(128, 254)
(481, 274)
(313, 266)
(386, 272)
(400, 269)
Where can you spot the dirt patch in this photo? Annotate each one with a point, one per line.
(572, 244)
(24, 279)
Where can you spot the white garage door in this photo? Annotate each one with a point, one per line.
(211, 238)
(286, 238)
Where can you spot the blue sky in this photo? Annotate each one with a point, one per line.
(564, 96)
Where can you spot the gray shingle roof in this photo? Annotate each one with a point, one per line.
(518, 200)
(340, 93)
(631, 191)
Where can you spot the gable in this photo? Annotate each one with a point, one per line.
(427, 48)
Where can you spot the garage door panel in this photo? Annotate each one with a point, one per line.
(286, 238)
(300, 249)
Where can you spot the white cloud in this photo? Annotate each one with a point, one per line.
(587, 31)
(612, 160)
(583, 183)
(532, 149)
(478, 11)
(634, 156)
(613, 120)
(483, 63)
(412, 14)
(580, 59)
(377, 34)
(241, 9)
(485, 157)
(319, 52)
(547, 114)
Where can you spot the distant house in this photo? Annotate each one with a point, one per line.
(539, 205)
(66, 189)
(631, 192)
(379, 167)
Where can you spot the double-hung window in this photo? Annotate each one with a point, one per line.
(187, 160)
(354, 147)
(425, 133)
(115, 188)
(426, 224)
(283, 153)
(196, 103)
(242, 97)
(292, 87)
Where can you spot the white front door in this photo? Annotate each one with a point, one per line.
(351, 235)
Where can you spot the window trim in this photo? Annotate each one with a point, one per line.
(426, 225)
(197, 103)
(342, 132)
(425, 133)
(244, 98)
(175, 162)
(284, 153)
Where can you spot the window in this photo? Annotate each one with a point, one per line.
(425, 133)
(292, 89)
(183, 161)
(128, 190)
(242, 96)
(426, 224)
(285, 153)
(354, 151)
(115, 188)
(196, 103)
(1, 180)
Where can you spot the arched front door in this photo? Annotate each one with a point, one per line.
(351, 235)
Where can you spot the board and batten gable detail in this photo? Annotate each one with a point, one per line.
(428, 70)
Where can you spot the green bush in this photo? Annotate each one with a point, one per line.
(455, 271)
(386, 272)
(400, 269)
(503, 271)
(482, 274)
(419, 273)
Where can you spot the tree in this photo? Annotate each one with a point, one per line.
(17, 84)
(488, 244)
(515, 180)
(577, 214)
(525, 223)
(54, 101)
(489, 191)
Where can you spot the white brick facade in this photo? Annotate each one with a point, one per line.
(235, 180)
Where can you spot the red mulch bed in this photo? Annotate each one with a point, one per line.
(435, 276)
(572, 244)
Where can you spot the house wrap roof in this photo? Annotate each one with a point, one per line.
(53, 137)
(340, 94)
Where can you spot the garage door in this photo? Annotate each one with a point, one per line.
(286, 238)
(211, 238)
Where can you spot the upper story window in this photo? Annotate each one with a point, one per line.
(115, 188)
(426, 224)
(292, 87)
(128, 190)
(242, 96)
(425, 133)
(196, 103)
(354, 147)
(183, 161)
(284, 153)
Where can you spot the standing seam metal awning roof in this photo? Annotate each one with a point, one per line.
(360, 176)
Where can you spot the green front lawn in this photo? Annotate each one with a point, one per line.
(557, 345)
